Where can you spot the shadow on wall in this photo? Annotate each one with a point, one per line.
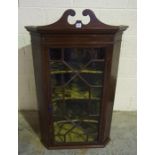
(26, 82)
(32, 118)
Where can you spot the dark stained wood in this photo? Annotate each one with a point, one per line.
(78, 39)
(79, 146)
(62, 26)
(60, 35)
(39, 69)
(114, 61)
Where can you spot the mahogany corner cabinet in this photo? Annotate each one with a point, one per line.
(75, 69)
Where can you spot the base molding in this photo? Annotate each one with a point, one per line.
(79, 146)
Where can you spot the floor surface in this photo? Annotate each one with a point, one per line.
(123, 137)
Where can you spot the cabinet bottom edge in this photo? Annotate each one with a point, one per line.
(79, 146)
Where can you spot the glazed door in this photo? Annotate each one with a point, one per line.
(76, 76)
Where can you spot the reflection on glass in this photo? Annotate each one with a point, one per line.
(76, 79)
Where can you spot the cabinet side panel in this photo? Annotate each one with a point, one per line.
(115, 51)
(38, 61)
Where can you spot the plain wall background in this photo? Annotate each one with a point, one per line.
(114, 12)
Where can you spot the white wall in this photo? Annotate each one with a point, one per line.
(115, 12)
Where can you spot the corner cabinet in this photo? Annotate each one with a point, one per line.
(75, 72)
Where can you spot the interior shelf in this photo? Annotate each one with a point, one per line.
(81, 71)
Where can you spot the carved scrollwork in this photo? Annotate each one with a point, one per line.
(63, 26)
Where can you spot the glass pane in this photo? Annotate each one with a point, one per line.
(93, 73)
(76, 79)
(75, 131)
(99, 53)
(96, 92)
(60, 73)
(76, 58)
(55, 54)
(60, 79)
(58, 67)
(57, 100)
(95, 66)
(76, 89)
(92, 78)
